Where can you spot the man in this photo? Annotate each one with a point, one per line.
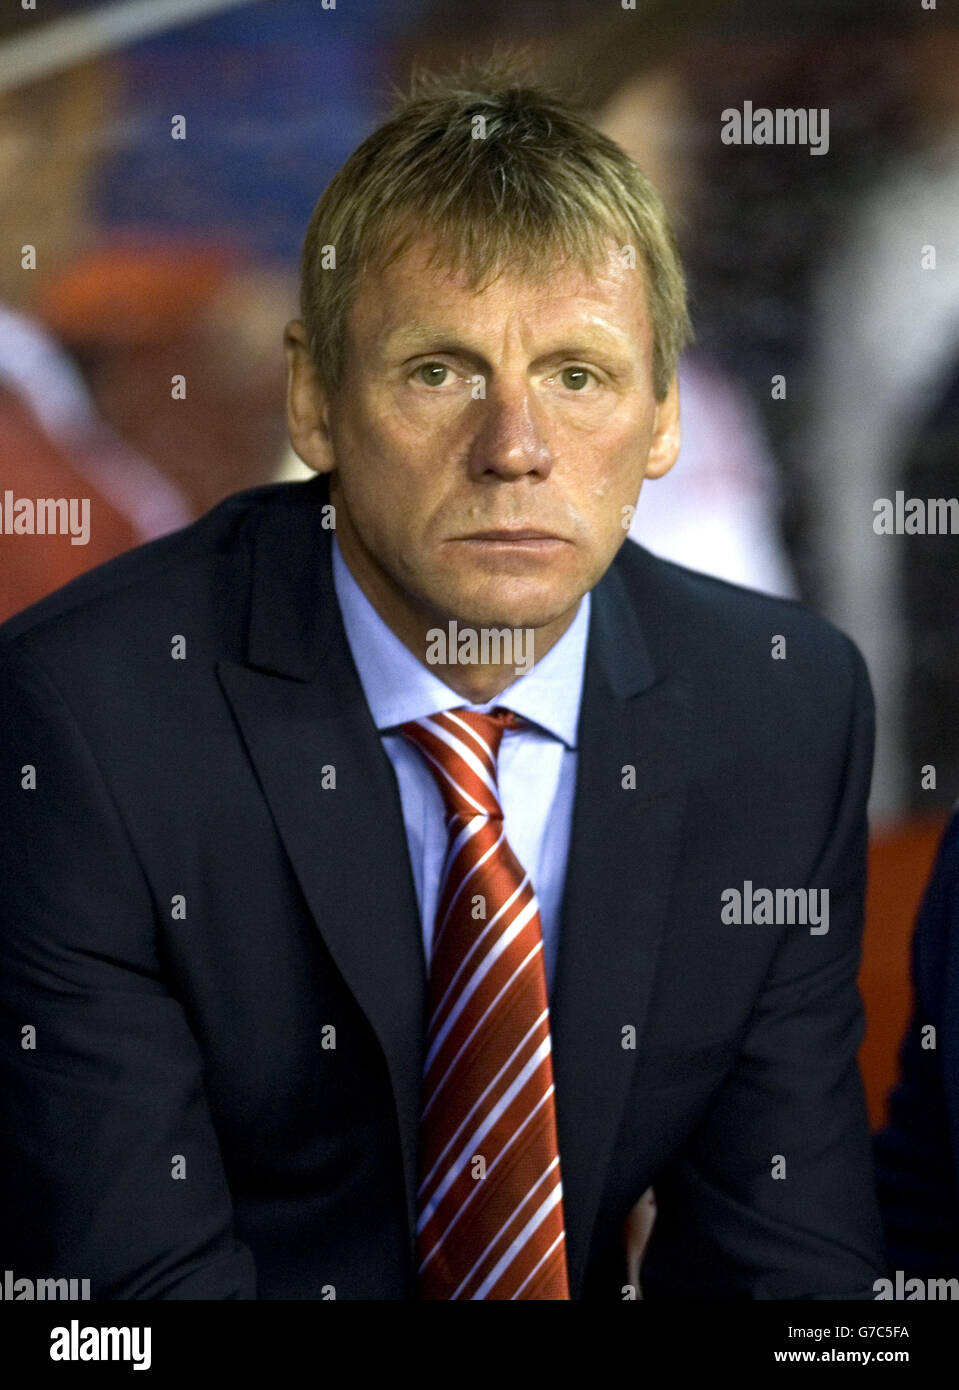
(379, 915)
(916, 1166)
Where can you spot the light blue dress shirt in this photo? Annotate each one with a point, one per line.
(536, 765)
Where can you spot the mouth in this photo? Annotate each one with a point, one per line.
(524, 535)
(505, 547)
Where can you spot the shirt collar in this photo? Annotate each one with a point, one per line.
(398, 687)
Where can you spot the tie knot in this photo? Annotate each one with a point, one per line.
(461, 747)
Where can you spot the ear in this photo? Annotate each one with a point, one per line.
(665, 443)
(306, 402)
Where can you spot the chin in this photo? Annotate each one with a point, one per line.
(507, 608)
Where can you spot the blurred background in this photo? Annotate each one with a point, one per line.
(825, 373)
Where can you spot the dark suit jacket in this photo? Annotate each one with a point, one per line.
(918, 1151)
(198, 1035)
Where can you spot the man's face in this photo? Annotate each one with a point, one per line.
(484, 446)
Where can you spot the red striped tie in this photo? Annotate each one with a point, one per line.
(490, 1203)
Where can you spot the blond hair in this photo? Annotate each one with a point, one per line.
(531, 182)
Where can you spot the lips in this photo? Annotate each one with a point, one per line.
(506, 535)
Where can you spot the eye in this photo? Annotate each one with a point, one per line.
(425, 367)
(580, 375)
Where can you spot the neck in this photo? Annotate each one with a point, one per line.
(479, 663)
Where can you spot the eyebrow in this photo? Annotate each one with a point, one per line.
(427, 337)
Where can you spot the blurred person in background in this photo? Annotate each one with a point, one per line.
(176, 341)
(53, 440)
(161, 260)
(886, 405)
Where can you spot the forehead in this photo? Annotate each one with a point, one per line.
(411, 297)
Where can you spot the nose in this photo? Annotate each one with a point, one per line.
(509, 441)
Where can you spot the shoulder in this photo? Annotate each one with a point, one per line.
(726, 635)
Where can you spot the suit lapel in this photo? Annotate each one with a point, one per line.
(623, 850)
(301, 710)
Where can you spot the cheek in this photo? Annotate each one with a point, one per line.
(611, 474)
(386, 443)
(386, 492)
